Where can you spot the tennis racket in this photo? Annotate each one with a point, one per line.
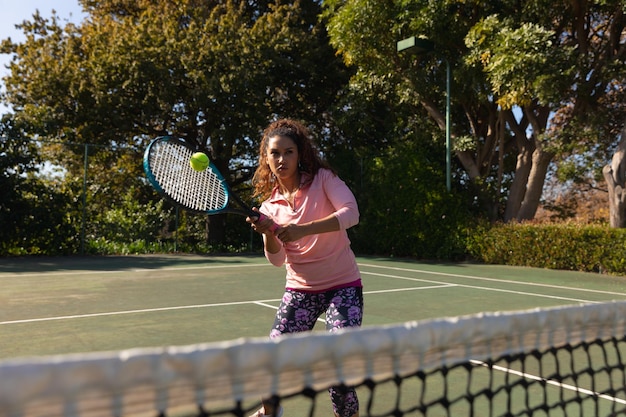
(166, 163)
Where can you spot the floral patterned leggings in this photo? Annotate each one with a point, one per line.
(299, 311)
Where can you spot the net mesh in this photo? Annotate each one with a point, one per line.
(201, 191)
(566, 361)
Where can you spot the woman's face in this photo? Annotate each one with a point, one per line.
(282, 157)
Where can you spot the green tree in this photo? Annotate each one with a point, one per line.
(560, 64)
(32, 214)
(563, 64)
(213, 73)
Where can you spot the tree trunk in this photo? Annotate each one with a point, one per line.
(536, 180)
(615, 176)
(520, 181)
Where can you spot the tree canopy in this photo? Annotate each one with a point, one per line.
(533, 83)
(211, 72)
(536, 87)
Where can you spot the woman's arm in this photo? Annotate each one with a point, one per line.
(346, 212)
(274, 250)
(272, 243)
(293, 232)
(273, 247)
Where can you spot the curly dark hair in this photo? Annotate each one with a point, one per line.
(309, 158)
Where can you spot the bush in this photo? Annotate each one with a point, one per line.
(102, 246)
(588, 248)
(38, 222)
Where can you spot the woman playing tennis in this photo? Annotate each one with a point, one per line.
(313, 208)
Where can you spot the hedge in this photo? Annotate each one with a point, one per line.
(588, 248)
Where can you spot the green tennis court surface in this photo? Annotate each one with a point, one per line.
(73, 305)
(63, 305)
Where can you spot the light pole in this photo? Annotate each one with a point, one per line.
(418, 45)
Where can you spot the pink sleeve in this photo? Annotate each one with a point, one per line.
(340, 196)
(278, 258)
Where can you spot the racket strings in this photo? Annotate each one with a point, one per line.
(201, 191)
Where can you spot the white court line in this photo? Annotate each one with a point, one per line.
(550, 382)
(438, 284)
(505, 281)
(154, 310)
(432, 287)
(117, 313)
(320, 319)
(553, 297)
(263, 304)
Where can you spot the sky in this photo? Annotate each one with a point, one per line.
(16, 11)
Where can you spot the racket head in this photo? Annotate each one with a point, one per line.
(166, 163)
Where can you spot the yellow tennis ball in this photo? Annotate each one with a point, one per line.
(199, 161)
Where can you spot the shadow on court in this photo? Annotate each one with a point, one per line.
(115, 263)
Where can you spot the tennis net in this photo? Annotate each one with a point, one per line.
(565, 361)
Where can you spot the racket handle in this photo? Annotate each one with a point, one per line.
(274, 225)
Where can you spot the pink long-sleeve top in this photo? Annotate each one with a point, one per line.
(322, 261)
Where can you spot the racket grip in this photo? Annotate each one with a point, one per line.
(274, 225)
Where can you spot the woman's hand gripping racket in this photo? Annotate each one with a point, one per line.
(167, 165)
